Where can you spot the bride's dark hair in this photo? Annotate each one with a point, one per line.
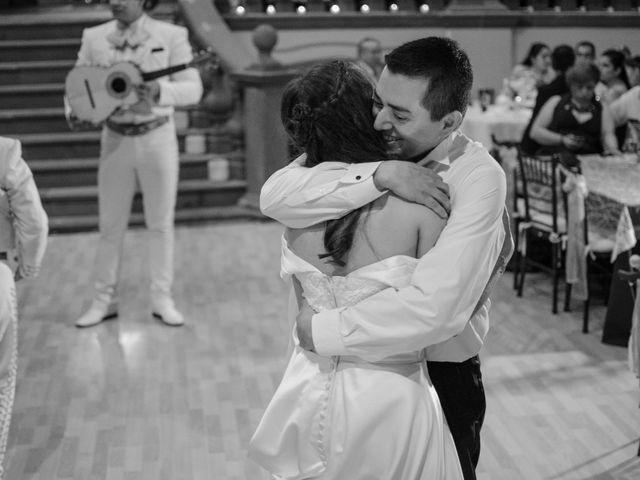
(327, 114)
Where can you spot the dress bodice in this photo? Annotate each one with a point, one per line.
(326, 292)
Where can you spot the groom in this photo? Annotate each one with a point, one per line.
(419, 103)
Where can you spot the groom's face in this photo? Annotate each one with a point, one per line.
(405, 122)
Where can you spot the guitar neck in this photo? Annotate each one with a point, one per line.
(148, 76)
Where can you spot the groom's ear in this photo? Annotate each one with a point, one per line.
(451, 121)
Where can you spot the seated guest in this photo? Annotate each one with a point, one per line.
(533, 72)
(632, 67)
(625, 50)
(613, 77)
(577, 121)
(562, 58)
(585, 53)
(370, 57)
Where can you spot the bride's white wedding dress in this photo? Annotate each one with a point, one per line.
(342, 418)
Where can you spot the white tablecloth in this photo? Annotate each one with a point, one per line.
(504, 123)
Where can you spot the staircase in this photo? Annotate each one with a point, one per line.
(37, 49)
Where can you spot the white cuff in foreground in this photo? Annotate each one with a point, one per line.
(359, 172)
(325, 328)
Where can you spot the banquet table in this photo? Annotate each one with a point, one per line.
(505, 123)
(613, 209)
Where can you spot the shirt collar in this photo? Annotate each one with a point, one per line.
(446, 151)
(133, 35)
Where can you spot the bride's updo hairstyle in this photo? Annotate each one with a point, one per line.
(327, 114)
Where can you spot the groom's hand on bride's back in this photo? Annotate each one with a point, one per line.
(303, 326)
(414, 183)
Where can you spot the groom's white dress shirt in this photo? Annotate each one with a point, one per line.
(437, 309)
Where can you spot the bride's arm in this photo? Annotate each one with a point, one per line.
(298, 196)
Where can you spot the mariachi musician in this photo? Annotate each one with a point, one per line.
(138, 146)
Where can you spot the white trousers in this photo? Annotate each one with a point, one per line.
(150, 161)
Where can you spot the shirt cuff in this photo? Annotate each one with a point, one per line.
(165, 98)
(360, 172)
(325, 329)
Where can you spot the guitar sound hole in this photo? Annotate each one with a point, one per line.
(118, 85)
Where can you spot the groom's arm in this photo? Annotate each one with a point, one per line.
(299, 197)
(444, 291)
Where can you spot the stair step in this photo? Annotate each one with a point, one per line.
(34, 72)
(43, 95)
(66, 21)
(71, 172)
(32, 120)
(39, 49)
(83, 200)
(91, 191)
(73, 164)
(85, 223)
(87, 144)
(59, 22)
(20, 121)
(60, 145)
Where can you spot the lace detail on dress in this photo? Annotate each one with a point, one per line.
(324, 292)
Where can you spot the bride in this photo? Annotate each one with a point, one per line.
(342, 417)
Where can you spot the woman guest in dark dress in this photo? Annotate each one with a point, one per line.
(576, 121)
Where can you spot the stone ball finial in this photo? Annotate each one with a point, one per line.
(265, 38)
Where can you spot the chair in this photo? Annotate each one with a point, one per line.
(597, 255)
(596, 248)
(506, 154)
(545, 216)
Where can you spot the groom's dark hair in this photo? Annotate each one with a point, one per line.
(443, 64)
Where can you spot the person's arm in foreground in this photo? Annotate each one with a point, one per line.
(299, 197)
(444, 290)
(30, 219)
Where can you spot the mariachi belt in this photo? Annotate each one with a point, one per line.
(134, 129)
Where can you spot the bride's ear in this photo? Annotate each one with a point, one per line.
(451, 121)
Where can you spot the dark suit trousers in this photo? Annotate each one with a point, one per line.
(459, 386)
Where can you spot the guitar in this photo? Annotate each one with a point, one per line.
(94, 93)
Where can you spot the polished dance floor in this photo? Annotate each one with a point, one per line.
(133, 399)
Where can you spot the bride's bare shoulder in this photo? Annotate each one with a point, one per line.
(398, 211)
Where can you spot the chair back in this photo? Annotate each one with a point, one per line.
(544, 201)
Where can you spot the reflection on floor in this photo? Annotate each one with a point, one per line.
(134, 399)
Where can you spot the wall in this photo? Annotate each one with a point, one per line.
(492, 51)
(494, 41)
